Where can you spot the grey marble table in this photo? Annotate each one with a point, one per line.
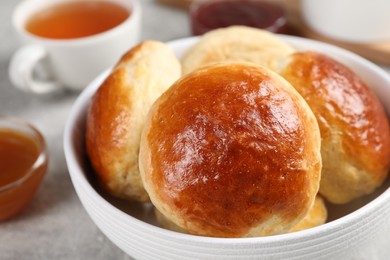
(54, 225)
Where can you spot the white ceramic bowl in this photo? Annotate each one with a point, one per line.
(132, 227)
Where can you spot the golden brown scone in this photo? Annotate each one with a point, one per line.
(231, 150)
(236, 43)
(117, 113)
(354, 127)
(316, 216)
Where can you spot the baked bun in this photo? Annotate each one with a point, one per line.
(163, 222)
(117, 113)
(316, 216)
(231, 150)
(354, 128)
(236, 43)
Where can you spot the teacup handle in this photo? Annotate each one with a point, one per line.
(21, 70)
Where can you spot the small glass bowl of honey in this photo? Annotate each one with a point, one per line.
(23, 164)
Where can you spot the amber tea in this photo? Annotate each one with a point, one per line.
(76, 19)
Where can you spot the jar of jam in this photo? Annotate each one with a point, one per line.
(23, 164)
(207, 15)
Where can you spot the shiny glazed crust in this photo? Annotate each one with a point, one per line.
(315, 217)
(117, 113)
(231, 150)
(354, 127)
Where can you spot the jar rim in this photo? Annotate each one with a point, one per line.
(27, 129)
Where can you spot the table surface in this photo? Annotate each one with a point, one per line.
(55, 225)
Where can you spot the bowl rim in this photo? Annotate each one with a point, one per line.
(76, 173)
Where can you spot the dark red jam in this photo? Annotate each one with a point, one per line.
(209, 15)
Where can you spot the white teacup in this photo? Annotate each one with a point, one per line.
(349, 20)
(71, 63)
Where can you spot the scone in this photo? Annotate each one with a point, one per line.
(316, 217)
(236, 43)
(231, 150)
(117, 113)
(354, 128)
(163, 222)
